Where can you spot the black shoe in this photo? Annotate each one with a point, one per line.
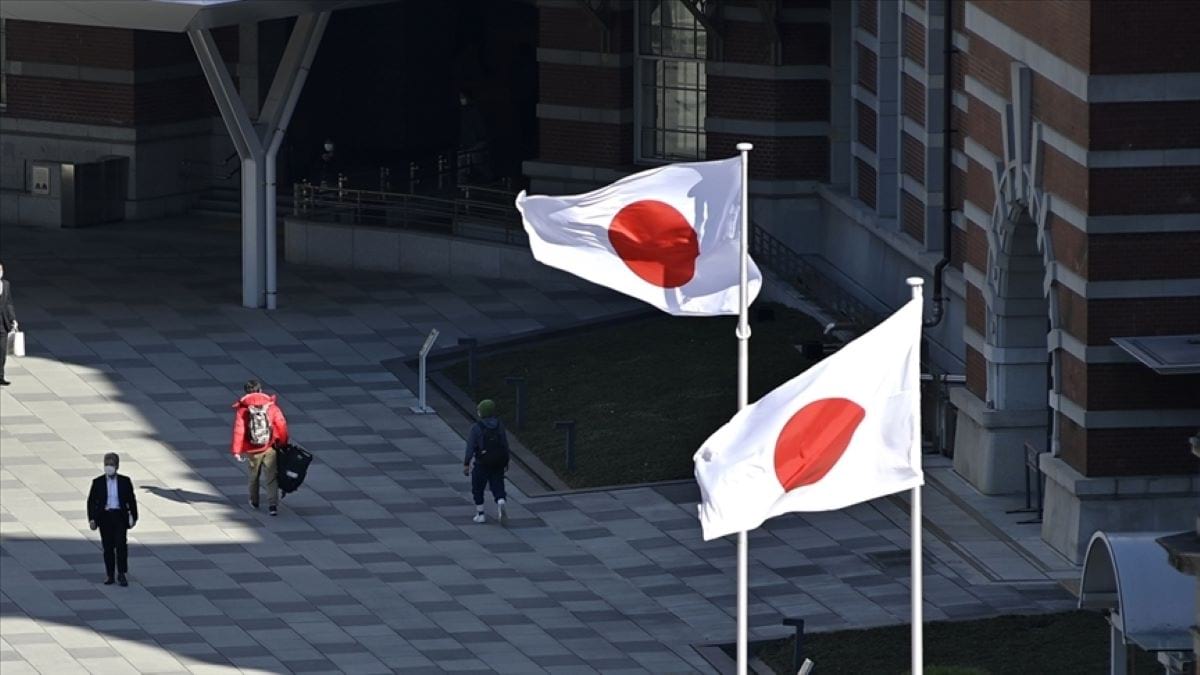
(273, 510)
(4, 383)
(122, 580)
(254, 504)
(108, 581)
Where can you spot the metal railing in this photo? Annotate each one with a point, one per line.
(490, 220)
(795, 268)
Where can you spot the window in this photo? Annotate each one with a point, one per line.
(672, 47)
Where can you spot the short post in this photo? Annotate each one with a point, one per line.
(798, 647)
(421, 408)
(341, 183)
(412, 176)
(569, 449)
(472, 372)
(442, 164)
(385, 179)
(519, 383)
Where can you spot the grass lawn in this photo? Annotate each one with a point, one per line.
(1062, 644)
(644, 394)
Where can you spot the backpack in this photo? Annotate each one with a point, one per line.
(493, 451)
(259, 428)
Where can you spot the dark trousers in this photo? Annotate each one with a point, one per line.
(3, 352)
(113, 526)
(482, 477)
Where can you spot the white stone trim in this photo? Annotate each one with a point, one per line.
(757, 71)
(961, 102)
(1123, 419)
(974, 150)
(61, 71)
(961, 41)
(869, 99)
(866, 39)
(917, 12)
(913, 128)
(975, 214)
(573, 113)
(580, 57)
(766, 128)
(959, 159)
(914, 189)
(864, 153)
(1008, 356)
(101, 133)
(959, 220)
(1061, 339)
(1124, 290)
(914, 70)
(1144, 88)
(1166, 222)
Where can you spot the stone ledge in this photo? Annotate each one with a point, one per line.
(989, 418)
(1084, 487)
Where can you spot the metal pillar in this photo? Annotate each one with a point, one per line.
(257, 147)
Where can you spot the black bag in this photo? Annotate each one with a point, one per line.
(291, 463)
(493, 450)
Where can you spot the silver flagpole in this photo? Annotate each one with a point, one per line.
(918, 627)
(743, 336)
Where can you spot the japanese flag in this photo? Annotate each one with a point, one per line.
(668, 236)
(843, 432)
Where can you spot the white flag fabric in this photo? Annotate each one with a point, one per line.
(841, 433)
(668, 236)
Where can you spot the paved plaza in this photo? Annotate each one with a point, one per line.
(137, 345)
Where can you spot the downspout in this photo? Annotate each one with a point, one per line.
(939, 270)
(276, 136)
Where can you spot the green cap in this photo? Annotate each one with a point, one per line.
(486, 408)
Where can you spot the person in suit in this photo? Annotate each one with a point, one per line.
(8, 322)
(112, 507)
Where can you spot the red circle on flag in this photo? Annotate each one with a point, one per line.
(656, 242)
(814, 439)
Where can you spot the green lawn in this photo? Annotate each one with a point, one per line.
(644, 394)
(1062, 644)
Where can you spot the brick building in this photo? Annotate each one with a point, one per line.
(1071, 193)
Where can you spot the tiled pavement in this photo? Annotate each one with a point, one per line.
(137, 345)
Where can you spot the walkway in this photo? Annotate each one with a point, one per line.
(137, 345)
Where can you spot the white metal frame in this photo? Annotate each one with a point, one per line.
(638, 115)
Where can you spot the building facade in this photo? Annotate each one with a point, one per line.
(1057, 189)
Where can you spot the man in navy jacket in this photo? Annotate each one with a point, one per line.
(112, 507)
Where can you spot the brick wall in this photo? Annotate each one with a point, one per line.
(1146, 190)
(782, 100)
(912, 158)
(798, 158)
(976, 371)
(866, 182)
(1145, 126)
(978, 187)
(587, 86)
(866, 124)
(1130, 36)
(1125, 386)
(912, 99)
(868, 16)
(868, 66)
(912, 216)
(912, 39)
(1061, 27)
(71, 101)
(585, 143)
(1107, 319)
(976, 309)
(70, 45)
(1151, 255)
(571, 28)
(975, 251)
(1126, 452)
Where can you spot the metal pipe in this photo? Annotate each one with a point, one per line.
(939, 270)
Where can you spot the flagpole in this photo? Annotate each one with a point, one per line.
(918, 626)
(743, 337)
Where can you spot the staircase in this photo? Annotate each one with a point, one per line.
(226, 202)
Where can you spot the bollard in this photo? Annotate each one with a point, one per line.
(412, 176)
(569, 450)
(519, 383)
(442, 163)
(798, 651)
(385, 179)
(470, 344)
(341, 183)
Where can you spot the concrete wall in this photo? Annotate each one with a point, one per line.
(380, 249)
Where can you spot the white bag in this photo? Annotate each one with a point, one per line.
(16, 343)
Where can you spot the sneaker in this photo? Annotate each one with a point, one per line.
(253, 504)
(108, 581)
(273, 510)
(480, 518)
(122, 580)
(501, 512)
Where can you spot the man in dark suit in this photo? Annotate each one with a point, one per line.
(112, 507)
(8, 322)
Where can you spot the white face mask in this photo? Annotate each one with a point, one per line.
(329, 147)
(110, 470)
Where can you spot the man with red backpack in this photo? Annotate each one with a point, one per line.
(259, 426)
(487, 445)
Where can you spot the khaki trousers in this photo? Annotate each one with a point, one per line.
(264, 462)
